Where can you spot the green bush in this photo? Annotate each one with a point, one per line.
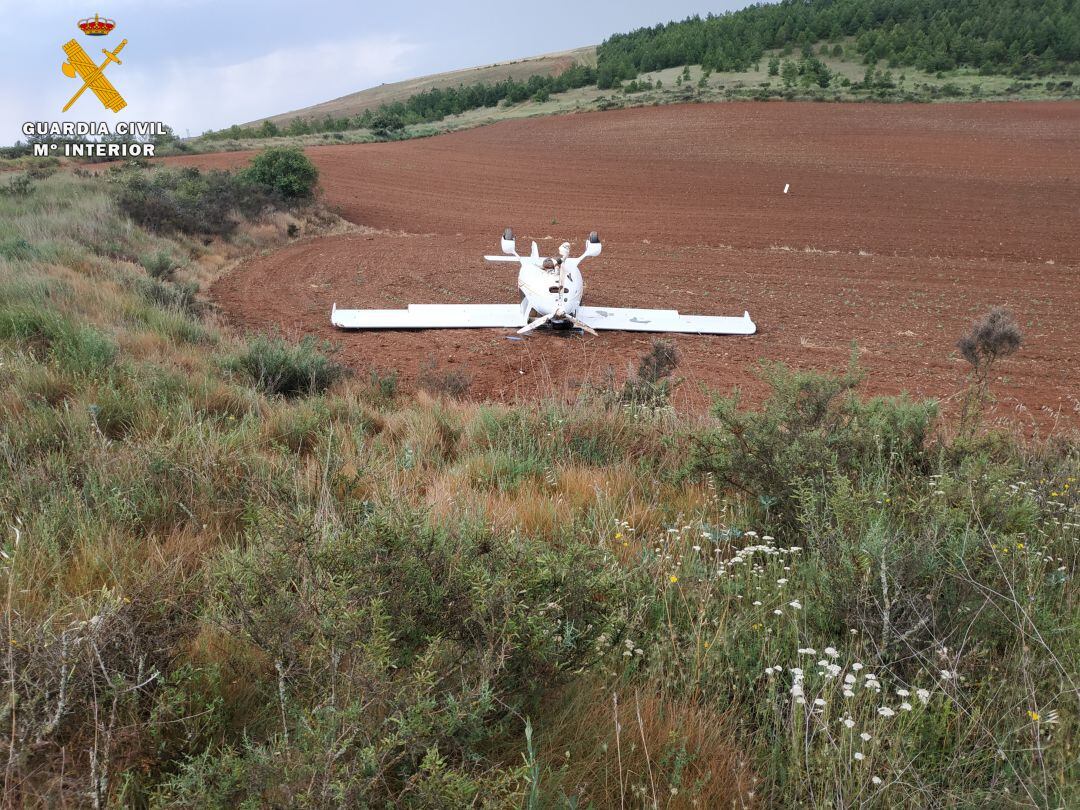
(811, 425)
(18, 186)
(159, 265)
(276, 366)
(286, 170)
(190, 201)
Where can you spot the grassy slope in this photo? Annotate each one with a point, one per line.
(356, 103)
(215, 595)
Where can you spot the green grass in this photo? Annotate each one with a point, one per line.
(216, 595)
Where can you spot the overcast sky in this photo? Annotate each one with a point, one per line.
(205, 64)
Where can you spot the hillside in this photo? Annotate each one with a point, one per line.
(821, 50)
(374, 97)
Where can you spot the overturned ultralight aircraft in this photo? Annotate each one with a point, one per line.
(552, 288)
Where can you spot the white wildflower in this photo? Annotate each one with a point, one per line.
(885, 711)
(859, 756)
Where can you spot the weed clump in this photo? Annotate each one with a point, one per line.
(17, 249)
(443, 382)
(167, 295)
(992, 337)
(648, 387)
(79, 348)
(277, 367)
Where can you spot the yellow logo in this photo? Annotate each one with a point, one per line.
(80, 64)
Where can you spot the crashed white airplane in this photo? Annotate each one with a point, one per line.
(552, 288)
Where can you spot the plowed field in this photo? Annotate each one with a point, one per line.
(903, 223)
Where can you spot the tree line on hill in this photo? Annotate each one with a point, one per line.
(994, 36)
(427, 106)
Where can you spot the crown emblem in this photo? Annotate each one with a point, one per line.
(96, 27)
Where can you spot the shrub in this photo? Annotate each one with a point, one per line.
(159, 265)
(276, 366)
(190, 201)
(810, 425)
(18, 186)
(181, 297)
(286, 170)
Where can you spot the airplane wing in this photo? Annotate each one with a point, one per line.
(431, 316)
(101, 86)
(664, 320)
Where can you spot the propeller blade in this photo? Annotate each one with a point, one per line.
(584, 326)
(537, 323)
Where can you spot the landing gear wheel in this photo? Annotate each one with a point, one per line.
(594, 238)
(508, 235)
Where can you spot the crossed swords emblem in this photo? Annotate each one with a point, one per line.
(93, 75)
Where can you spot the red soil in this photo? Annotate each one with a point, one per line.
(903, 224)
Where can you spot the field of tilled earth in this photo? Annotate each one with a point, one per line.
(902, 224)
